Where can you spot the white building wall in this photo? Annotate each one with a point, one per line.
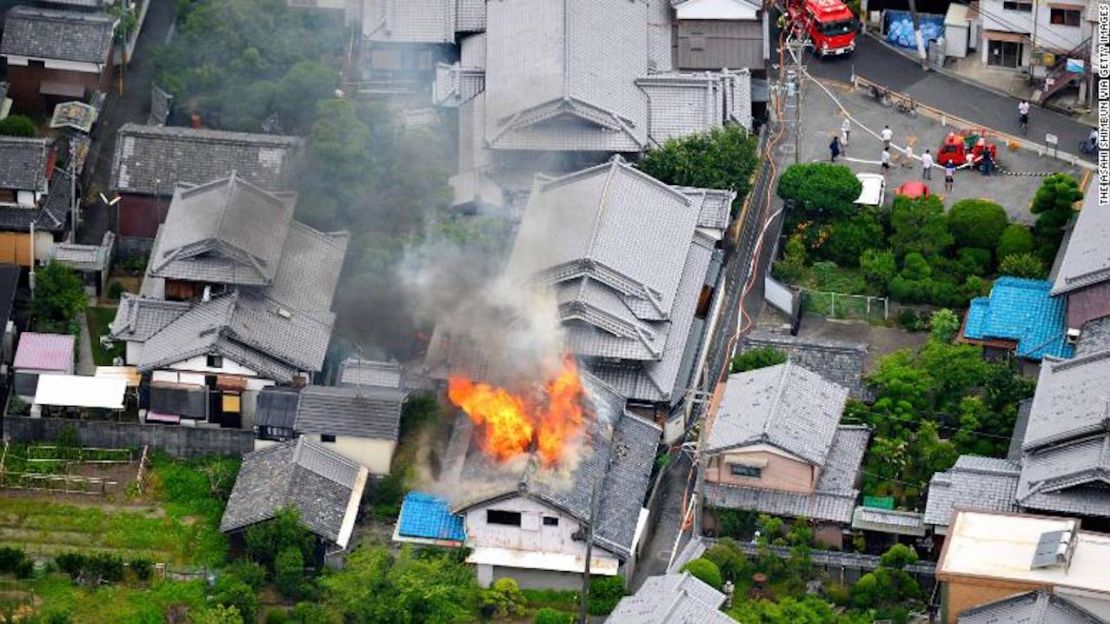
(531, 536)
(1045, 35)
(375, 455)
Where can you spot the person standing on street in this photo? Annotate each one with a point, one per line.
(987, 162)
(834, 147)
(949, 176)
(927, 165)
(845, 130)
(908, 162)
(887, 134)
(1023, 116)
(885, 161)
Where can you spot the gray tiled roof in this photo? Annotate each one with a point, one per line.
(1069, 477)
(671, 599)
(982, 483)
(683, 104)
(23, 163)
(321, 484)
(57, 35)
(1039, 607)
(894, 521)
(835, 494)
(1086, 259)
(225, 231)
(152, 160)
(1094, 337)
(715, 205)
(346, 411)
(619, 455)
(470, 15)
(410, 21)
(1068, 402)
(52, 214)
(786, 406)
(139, 318)
(356, 372)
(839, 362)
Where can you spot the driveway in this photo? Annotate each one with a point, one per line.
(132, 106)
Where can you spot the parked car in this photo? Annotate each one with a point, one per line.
(874, 189)
(913, 190)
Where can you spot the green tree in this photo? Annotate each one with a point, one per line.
(977, 223)
(918, 225)
(1022, 265)
(605, 593)
(706, 571)
(1015, 239)
(18, 126)
(723, 158)
(289, 571)
(943, 325)
(851, 237)
(264, 541)
(1053, 203)
(729, 559)
(59, 294)
(231, 592)
(793, 263)
(503, 599)
(760, 357)
(377, 587)
(218, 614)
(878, 267)
(823, 191)
(306, 81)
(898, 556)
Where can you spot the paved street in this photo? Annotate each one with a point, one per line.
(132, 106)
(874, 61)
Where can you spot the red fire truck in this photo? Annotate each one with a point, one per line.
(830, 25)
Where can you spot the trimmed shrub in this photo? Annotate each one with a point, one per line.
(977, 223)
(761, 357)
(141, 568)
(547, 615)
(605, 593)
(1015, 239)
(706, 571)
(288, 571)
(822, 191)
(1022, 265)
(18, 126)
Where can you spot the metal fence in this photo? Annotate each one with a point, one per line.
(845, 306)
(847, 567)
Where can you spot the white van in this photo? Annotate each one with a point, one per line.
(874, 189)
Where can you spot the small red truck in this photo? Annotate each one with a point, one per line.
(830, 25)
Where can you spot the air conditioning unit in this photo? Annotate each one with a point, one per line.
(1072, 336)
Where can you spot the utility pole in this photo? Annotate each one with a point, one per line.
(31, 264)
(917, 36)
(74, 201)
(583, 603)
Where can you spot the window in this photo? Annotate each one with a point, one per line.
(215, 361)
(550, 521)
(508, 518)
(742, 470)
(1004, 54)
(1065, 17)
(232, 403)
(1022, 7)
(324, 437)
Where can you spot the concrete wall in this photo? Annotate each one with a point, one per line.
(530, 579)
(174, 440)
(961, 594)
(780, 471)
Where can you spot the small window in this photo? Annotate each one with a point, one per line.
(231, 403)
(550, 521)
(215, 361)
(742, 470)
(327, 438)
(1021, 7)
(1065, 17)
(497, 516)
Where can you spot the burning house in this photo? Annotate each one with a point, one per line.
(529, 471)
(629, 263)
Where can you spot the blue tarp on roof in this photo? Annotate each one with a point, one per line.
(1022, 310)
(426, 516)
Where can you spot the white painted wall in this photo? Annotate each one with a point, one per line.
(1047, 35)
(535, 538)
(77, 66)
(376, 455)
(200, 364)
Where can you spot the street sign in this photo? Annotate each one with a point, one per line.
(1051, 139)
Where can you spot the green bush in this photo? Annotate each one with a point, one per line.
(503, 599)
(605, 593)
(918, 225)
(706, 571)
(729, 559)
(266, 540)
(760, 357)
(878, 267)
(548, 615)
(851, 237)
(115, 291)
(823, 191)
(977, 223)
(277, 616)
(70, 563)
(1015, 239)
(972, 261)
(141, 568)
(251, 573)
(1022, 265)
(18, 126)
(723, 158)
(387, 495)
(915, 267)
(289, 571)
(944, 324)
(793, 263)
(231, 591)
(11, 559)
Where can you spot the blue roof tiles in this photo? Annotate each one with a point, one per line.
(424, 516)
(1021, 310)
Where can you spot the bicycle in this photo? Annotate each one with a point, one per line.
(880, 95)
(906, 106)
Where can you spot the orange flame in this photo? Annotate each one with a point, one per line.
(511, 422)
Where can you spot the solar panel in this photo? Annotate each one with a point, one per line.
(1051, 549)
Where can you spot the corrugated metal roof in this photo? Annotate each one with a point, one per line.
(44, 352)
(425, 516)
(1022, 310)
